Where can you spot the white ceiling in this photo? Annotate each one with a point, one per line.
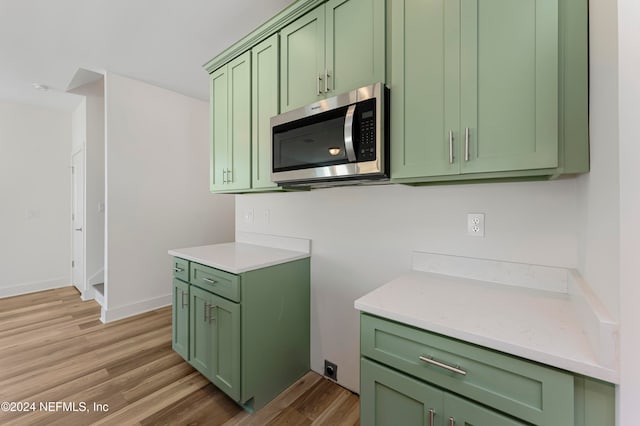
(162, 42)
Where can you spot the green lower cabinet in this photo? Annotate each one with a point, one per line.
(462, 412)
(392, 398)
(389, 398)
(247, 333)
(411, 376)
(224, 317)
(200, 331)
(180, 318)
(215, 340)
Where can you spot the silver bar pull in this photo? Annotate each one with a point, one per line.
(431, 416)
(206, 308)
(211, 318)
(327, 89)
(176, 269)
(430, 360)
(209, 280)
(452, 421)
(78, 229)
(224, 175)
(466, 144)
(348, 133)
(450, 146)
(318, 85)
(184, 305)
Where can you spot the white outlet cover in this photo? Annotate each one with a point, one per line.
(248, 216)
(475, 224)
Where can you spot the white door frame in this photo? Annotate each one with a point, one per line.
(78, 234)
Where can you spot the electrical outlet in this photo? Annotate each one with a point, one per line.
(330, 370)
(475, 224)
(248, 216)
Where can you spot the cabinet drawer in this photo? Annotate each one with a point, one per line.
(181, 269)
(526, 390)
(216, 281)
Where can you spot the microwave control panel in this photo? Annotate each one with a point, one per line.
(366, 150)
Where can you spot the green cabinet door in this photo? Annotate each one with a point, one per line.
(302, 61)
(390, 398)
(461, 412)
(239, 151)
(180, 318)
(265, 104)
(225, 346)
(200, 331)
(337, 47)
(475, 87)
(231, 125)
(424, 88)
(215, 340)
(219, 129)
(508, 85)
(354, 44)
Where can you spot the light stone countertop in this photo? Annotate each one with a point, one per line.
(536, 324)
(247, 254)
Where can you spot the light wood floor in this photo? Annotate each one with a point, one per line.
(53, 348)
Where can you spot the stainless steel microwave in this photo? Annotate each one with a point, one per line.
(336, 141)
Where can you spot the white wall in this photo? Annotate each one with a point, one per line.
(363, 237)
(599, 190)
(88, 135)
(157, 194)
(629, 110)
(35, 188)
(95, 183)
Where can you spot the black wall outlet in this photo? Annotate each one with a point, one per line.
(330, 370)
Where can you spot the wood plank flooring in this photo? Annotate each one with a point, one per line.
(57, 361)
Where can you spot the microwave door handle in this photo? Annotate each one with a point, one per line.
(348, 134)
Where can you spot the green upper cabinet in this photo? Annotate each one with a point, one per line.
(231, 125)
(424, 86)
(335, 48)
(476, 89)
(302, 60)
(264, 105)
(354, 44)
(508, 85)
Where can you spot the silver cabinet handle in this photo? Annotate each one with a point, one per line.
(431, 416)
(348, 134)
(184, 305)
(229, 175)
(327, 89)
(466, 144)
(224, 176)
(78, 229)
(211, 318)
(209, 280)
(452, 421)
(450, 146)
(430, 360)
(206, 308)
(318, 85)
(176, 269)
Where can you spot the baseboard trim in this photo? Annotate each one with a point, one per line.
(114, 314)
(34, 286)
